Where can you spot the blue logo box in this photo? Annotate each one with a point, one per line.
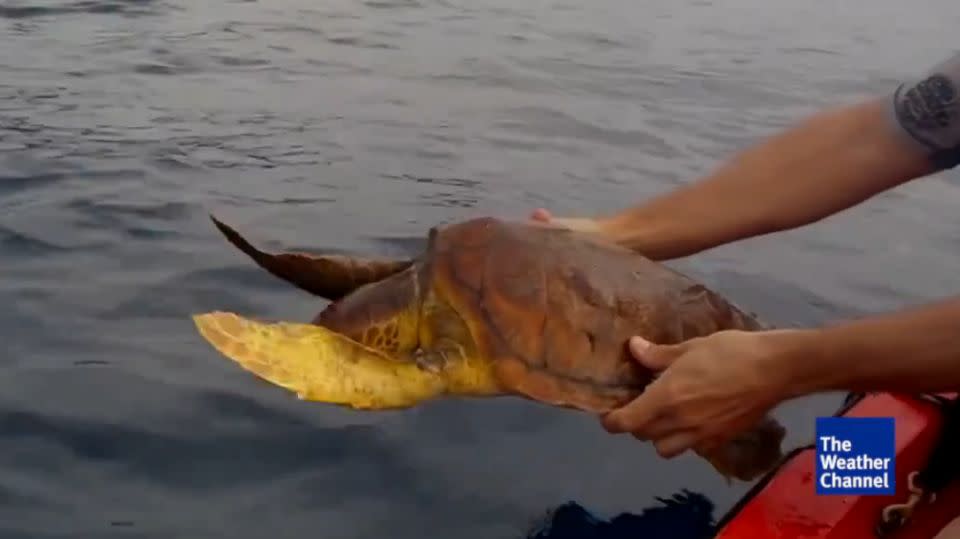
(855, 455)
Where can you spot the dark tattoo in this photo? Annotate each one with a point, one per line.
(930, 104)
(928, 110)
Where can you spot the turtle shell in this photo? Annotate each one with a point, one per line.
(553, 309)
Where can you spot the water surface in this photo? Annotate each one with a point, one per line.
(355, 126)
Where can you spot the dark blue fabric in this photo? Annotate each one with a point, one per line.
(687, 515)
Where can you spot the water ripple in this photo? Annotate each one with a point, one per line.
(124, 7)
(353, 127)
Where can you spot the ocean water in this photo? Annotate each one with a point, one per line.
(355, 126)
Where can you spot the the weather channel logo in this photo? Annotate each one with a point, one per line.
(855, 455)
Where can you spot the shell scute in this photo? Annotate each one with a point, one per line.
(554, 310)
(542, 308)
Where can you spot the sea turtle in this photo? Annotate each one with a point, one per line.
(489, 308)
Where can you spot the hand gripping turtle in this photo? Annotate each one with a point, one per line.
(489, 308)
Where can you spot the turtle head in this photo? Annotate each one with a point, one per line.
(750, 454)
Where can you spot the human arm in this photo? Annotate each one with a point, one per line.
(912, 350)
(828, 162)
(714, 387)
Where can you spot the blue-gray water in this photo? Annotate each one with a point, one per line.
(356, 125)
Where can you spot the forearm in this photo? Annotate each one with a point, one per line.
(831, 161)
(914, 350)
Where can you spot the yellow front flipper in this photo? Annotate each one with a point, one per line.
(319, 364)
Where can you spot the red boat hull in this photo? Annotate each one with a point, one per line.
(787, 506)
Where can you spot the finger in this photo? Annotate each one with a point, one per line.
(654, 357)
(637, 414)
(609, 425)
(659, 432)
(541, 214)
(580, 224)
(663, 425)
(708, 445)
(676, 444)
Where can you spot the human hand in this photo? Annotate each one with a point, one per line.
(580, 224)
(709, 389)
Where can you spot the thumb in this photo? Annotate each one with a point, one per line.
(653, 356)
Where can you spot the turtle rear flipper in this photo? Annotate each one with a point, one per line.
(328, 276)
(750, 454)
